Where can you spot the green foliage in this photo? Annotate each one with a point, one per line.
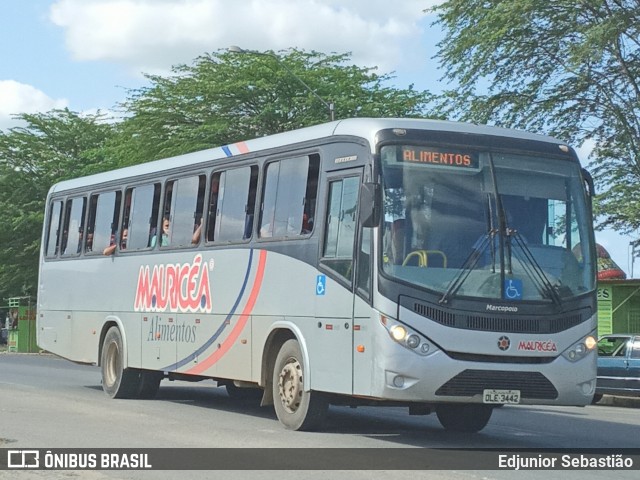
(52, 146)
(221, 98)
(225, 97)
(570, 68)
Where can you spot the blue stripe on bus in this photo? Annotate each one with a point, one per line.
(227, 321)
(227, 151)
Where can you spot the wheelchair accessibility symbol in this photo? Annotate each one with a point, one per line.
(513, 289)
(321, 283)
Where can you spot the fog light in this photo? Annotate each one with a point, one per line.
(413, 341)
(424, 348)
(588, 388)
(398, 381)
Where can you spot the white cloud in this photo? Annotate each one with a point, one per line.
(151, 35)
(16, 98)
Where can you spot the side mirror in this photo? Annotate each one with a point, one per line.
(370, 202)
(589, 181)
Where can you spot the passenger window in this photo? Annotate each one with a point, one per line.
(53, 235)
(363, 282)
(635, 351)
(104, 213)
(183, 205)
(141, 215)
(232, 203)
(290, 192)
(73, 230)
(341, 225)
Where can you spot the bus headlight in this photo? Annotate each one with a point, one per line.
(406, 337)
(580, 349)
(398, 333)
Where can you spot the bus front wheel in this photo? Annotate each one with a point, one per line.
(296, 408)
(469, 418)
(117, 381)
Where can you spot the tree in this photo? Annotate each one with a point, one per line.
(225, 97)
(222, 98)
(570, 68)
(51, 147)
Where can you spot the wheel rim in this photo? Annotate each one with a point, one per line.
(112, 364)
(290, 385)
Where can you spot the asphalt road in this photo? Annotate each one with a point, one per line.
(46, 402)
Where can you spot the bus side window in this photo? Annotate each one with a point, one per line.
(232, 201)
(54, 231)
(104, 213)
(290, 192)
(363, 281)
(73, 229)
(142, 205)
(184, 200)
(340, 229)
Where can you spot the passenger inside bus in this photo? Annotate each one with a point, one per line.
(195, 239)
(307, 223)
(112, 246)
(164, 240)
(89, 245)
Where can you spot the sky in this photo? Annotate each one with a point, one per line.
(86, 54)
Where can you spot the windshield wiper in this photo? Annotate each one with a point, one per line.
(505, 235)
(477, 251)
(533, 269)
(470, 263)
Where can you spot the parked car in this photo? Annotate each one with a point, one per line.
(618, 366)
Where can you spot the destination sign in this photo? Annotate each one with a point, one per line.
(439, 157)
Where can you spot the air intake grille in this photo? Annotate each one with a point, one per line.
(472, 382)
(441, 316)
(506, 323)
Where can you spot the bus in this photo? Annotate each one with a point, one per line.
(441, 266)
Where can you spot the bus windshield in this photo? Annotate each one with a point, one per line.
(471, 223)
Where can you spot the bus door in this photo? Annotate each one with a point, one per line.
(335, 284)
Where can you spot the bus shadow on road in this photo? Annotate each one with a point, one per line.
(211, 397)
(392, 424)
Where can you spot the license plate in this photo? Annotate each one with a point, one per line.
(501, 396)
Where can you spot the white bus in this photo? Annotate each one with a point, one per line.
(442, 266)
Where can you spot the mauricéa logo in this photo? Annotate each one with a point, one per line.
(176, 287)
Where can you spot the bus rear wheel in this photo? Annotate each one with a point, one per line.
(117, 381)
(468, 418)
(296, 408)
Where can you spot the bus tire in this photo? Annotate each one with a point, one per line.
(468, 418)
(296, 409)
(117, 382)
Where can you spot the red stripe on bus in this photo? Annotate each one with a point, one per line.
(242, 321)
(242, 147)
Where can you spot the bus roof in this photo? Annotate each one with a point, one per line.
(366, 128)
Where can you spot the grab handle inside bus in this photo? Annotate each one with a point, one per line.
(370, 200)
